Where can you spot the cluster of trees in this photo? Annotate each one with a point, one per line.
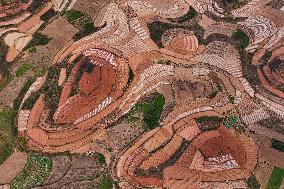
(152, 109)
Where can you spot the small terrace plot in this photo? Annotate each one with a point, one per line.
(74, 171)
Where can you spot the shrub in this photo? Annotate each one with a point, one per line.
(277, 145)
(35, 5)
(86, 30)
(38, 39)
(48, 15)
(166, 62)
(212, 94)
(241, 39)
(32, 50)
(231, 99)
(22, 69)
(157, 29)
(130, 76)
(29, 103)
(231, 121)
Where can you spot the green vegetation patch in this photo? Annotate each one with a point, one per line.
(36, 5)
(101, 158)
(253, 183)
(235, 4)
(158, 28)
(152, 110)
(35, 172)
(87, 29)
(166, 62)
(81, 21)
(278, 145)
(51, 90)
(78, 19)
(276, 178)
(18, 100)
(7, 78)
(208, 123)
(32, 50)
(105, 183)
(22, 69)
(48, 15)
(234, 122)
(156, 31)
(130, 76)
(7, 133)
(212, 94)
(38, 39)
(204, 119)
(241, 39)
(29, 103)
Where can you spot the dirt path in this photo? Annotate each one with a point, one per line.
(6, 186)
(12, 167)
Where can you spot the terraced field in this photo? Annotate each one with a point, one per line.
(141, 94)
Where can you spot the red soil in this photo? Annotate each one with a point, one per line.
(214, 147)
(94, 88)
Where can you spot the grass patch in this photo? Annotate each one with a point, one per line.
(35, 172)
(22, 69)
(252, 183)
(278, 145)
(275, 178)
(105, 183)
(152, 110)
(7, 133)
